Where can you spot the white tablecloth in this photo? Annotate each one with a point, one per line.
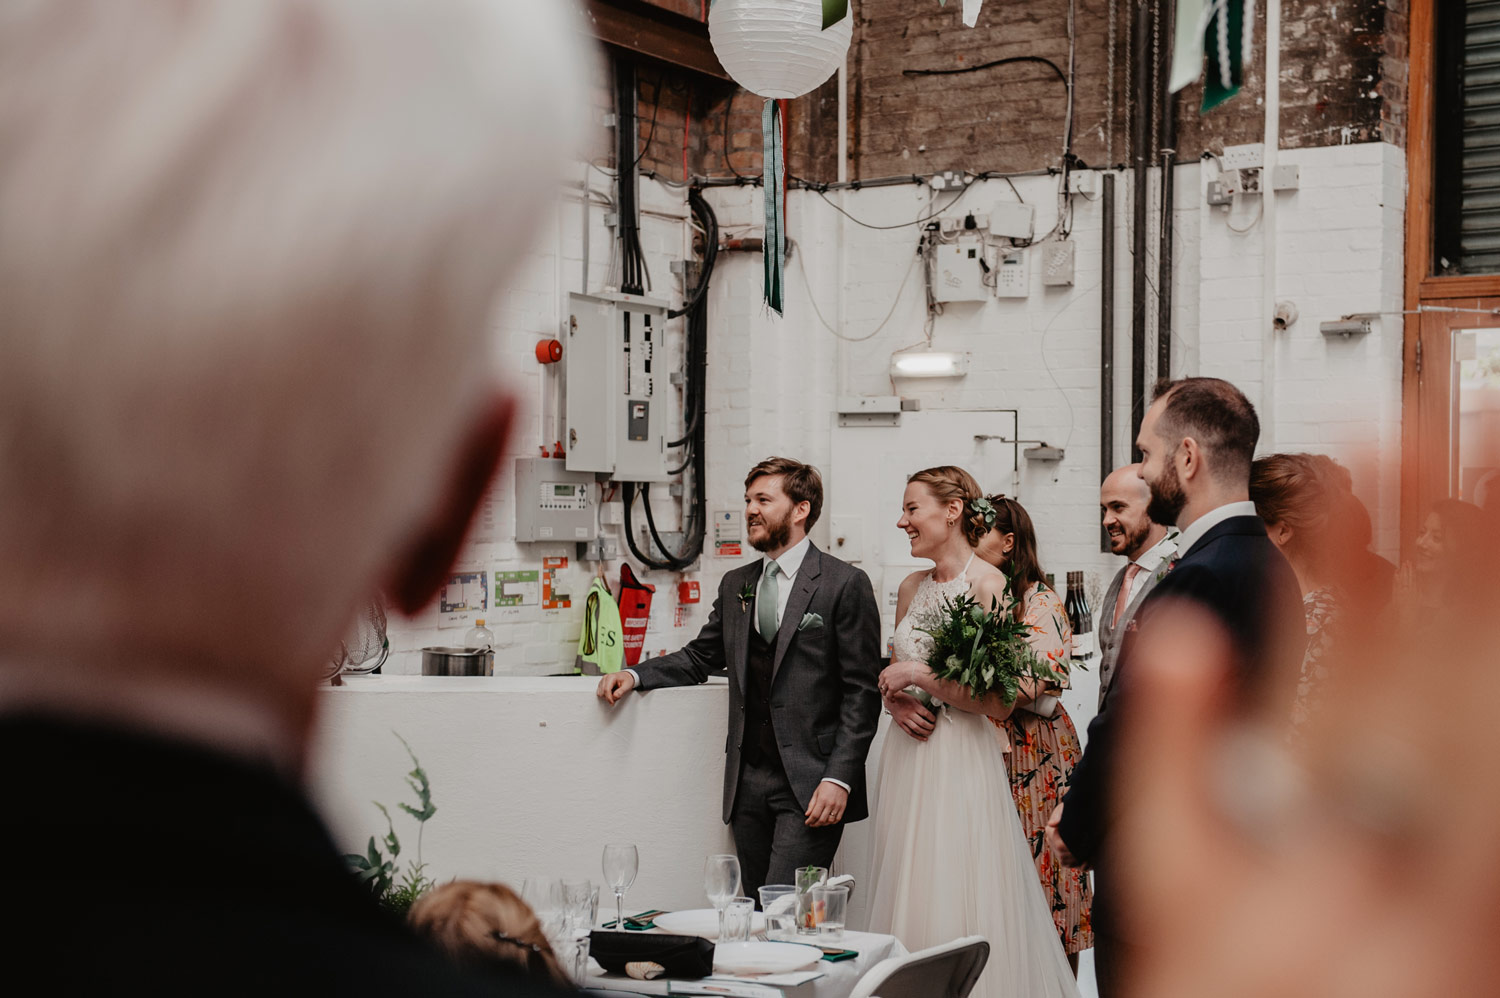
(838, 979)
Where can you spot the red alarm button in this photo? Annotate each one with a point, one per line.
(549, 351)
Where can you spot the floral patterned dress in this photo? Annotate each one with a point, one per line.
(1321, 608)
(1043, 752)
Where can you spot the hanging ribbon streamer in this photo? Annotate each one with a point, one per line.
(773, 178)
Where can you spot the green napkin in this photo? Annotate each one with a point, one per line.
(638, 923)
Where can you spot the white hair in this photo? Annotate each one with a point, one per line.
(247, 253)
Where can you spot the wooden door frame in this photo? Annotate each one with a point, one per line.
(1418, 475)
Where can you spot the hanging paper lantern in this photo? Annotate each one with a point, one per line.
(777, 48)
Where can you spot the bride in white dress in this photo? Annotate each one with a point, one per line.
(950, 859)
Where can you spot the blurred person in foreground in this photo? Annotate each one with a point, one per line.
(1355, 860)
(243, 247)
(1196, 442)
(487, 927)
(1301, 498)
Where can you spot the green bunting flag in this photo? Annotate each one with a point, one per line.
(773, 178)
(834, 11)
(1227, 41)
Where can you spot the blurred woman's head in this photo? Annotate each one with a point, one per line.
(937, 506)
(1010, 545)
(486, 925)
(1301, 498)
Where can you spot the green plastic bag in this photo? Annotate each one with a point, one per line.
(601, 646)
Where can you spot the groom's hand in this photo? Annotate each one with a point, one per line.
(614, 686)
(827, 805)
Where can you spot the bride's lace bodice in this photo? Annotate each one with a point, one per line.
(911, 644)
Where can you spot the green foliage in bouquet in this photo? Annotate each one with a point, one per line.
(985, 650)
(394, 888)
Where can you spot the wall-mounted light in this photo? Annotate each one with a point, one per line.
(928, 364)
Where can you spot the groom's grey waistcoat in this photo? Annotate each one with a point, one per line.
(822, 702)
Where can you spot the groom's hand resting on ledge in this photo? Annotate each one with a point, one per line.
(827, 805)
(614, 686)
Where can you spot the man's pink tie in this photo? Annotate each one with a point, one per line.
(1123, 600)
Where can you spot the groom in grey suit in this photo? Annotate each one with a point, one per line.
(1150, 548)
(798, 633)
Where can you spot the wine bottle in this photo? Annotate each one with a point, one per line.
(1077, 616)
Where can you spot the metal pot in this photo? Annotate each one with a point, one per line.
(458, 662)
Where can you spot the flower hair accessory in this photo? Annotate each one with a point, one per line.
(983, 507)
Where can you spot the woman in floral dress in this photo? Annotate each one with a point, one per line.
(1044, 745)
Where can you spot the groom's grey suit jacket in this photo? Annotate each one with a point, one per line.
(824, 706)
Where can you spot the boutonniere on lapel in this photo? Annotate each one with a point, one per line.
(747, 596)
(1166, 571)
(810, 622)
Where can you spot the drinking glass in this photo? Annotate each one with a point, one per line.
(735, 920)
(580, 906)
(621, 863)
(721, 881)
(779, 902)
(808, 877)
(544, 895)
(829, 907)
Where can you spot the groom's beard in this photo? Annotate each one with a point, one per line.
(1167, 497)
(778, 533)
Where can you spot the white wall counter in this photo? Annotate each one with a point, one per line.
(531, 776)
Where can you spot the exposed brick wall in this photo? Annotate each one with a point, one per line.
(1343, 81)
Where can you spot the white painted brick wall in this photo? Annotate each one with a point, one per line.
(773, 382)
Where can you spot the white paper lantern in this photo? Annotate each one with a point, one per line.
(778, 48)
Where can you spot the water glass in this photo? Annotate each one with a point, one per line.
(736, 919)
(580, 906)
(808, 877)
(829, 907)
(779, 902)
(573, 956)
(544, 895)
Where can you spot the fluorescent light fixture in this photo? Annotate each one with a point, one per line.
(928, 364)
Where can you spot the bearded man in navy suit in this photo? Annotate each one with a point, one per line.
(1196, 442)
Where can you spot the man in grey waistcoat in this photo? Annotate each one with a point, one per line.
(798, 634)
(1149, 548)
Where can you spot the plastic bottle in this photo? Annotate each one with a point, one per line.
(480, 636)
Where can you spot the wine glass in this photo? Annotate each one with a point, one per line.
(721, 881)
(621, 863)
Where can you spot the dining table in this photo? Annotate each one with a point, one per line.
(835, 979)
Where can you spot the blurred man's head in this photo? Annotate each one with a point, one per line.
(1123, 501)
(1196, 444)
(247, 254)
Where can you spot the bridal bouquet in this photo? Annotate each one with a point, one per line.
(983, 650)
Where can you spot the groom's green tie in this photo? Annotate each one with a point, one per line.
(765, 603)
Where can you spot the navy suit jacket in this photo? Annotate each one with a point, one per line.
(1238, 575)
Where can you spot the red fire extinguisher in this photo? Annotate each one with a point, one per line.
(635, 610)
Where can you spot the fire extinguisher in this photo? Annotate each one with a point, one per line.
(635, 610)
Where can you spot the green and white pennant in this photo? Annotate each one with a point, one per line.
(1224, 30)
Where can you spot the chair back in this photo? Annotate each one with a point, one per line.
(947, 971)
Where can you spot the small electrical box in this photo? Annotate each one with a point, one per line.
(958, 270)
(552, 503)
(617, 393)
(1011, 219)
(1057, 264)
(1011, 277)
(688, 591)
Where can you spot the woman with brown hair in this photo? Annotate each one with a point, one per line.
(1303, 499)
(1044, 744)
(949, 856)
(486, 926)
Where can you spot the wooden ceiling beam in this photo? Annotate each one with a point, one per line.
(658, 34)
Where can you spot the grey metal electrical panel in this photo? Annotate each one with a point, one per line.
(553, 503)
(617, 391)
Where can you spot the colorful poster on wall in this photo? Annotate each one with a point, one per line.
(464, 595)
(552, 598)
(729, 533)
(518, 593)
